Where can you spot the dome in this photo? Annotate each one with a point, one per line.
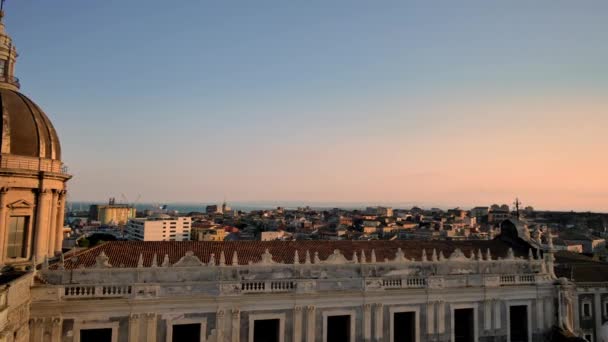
(26, 130)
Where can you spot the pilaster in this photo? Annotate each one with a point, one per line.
(236, 325)
(59, 223)
(297, 324)
(219, 325)
(151, 327)
(430, 318)
(440, 317)
(52, 224)
(540, 310)
(310, 323)
(487, 314)
(56, 325)
(497, 312)
(134, 328)
(367, 322)
(42, 224)
(378, 328)
(3, 220)
(597, 306)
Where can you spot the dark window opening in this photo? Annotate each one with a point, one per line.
(186, 332)
(586, 310)
(464, 325)
(266, 330)
(338, 328)
(404, 327)
(96, 335)
(518, 316)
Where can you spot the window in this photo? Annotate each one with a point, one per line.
(96, 335)
(518, 318)
(338, 328)
(586, 310)
(464, 327)
(17, 237)
(266, 328)
(186, 332)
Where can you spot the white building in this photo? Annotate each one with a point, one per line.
(160, 228)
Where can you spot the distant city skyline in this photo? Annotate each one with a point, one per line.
(461, 103)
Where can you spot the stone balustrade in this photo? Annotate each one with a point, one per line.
(91, 291)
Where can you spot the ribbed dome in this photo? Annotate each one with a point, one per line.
(26, 130)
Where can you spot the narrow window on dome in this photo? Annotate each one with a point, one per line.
(17, 235)
(2, 64)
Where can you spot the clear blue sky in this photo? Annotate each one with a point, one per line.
(448, 102)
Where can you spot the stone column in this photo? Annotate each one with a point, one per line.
(151, 327)
(236, 325)
(219, 325)
(42, 224)
(297, 324)
(57, 324)
(52, 224)
(134, 328)
(3, 220)
(59, 225)
(378, 328)
(430, 318)
(367, 322)
(310, 323)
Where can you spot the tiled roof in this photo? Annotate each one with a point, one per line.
(580, 268)
(126, 253)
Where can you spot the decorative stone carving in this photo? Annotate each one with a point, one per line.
(211, 260)
(424, 259)
(400, 256)
(457, 255)
(441, 256)
(336, 258)
(510, 255)
(307, 259)
(479, 255)
(230, 289)
(165, 261)
(266, 259)
(222, 259)
(154, 260)
(363, 257)
(102, 260)
(140, 261)
(235, 259)
(355, 259)
(434, 256)
(373, 285)
(317, 260)
(306, 286)
(296, 258)
(188, 260)
(373, 256)
(488, 255)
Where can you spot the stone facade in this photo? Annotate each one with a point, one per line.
(225, 297)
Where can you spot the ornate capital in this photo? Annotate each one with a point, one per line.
(297, 309)
(378, 305)
(236, 313)
(56, 321)
(310, 308)
(220, 314)
(4, 190)
(367, 307)
(133, 317)
(150, 316)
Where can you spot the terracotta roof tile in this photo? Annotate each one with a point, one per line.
(126, 253)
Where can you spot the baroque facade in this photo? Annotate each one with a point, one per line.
(301, 291)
